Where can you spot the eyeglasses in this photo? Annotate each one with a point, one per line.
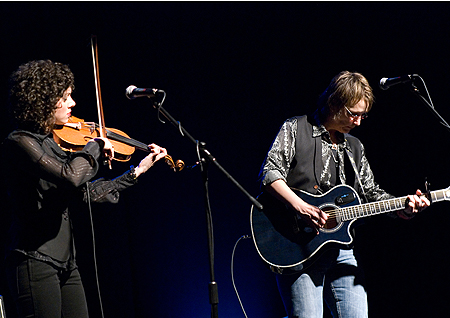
(354, 116)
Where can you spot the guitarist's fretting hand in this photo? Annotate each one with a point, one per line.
(314, 216)
(414, 204)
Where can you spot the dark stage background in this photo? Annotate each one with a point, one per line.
(233, 72)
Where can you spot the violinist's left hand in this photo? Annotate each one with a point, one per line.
(156, 153)
(415, 204)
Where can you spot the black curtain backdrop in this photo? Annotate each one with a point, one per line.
(233, 72)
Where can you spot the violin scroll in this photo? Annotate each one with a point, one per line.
(176, 166)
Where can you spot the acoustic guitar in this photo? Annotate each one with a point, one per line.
(286, 243)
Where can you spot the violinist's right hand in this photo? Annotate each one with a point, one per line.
(108, 148)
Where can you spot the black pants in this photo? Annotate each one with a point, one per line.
(41, 290)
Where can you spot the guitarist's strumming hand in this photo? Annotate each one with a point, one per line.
(312, 215)
(414, 204)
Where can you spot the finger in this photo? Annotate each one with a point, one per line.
(159, 156)
(152, 147)
(417, 204)
(409, 208)
(320, 217)
(424, 203)
(413, 205)
(310, 220)
(320, 221)
(411, 201)
(155, 148)
(316, 226)
(323, 215)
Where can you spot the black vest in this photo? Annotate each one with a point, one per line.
(307, 164)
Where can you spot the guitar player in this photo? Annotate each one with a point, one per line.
(315, 153)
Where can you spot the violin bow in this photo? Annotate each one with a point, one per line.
(101, 117)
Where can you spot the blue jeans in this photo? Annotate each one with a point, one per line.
(42, 290)
(334, 278)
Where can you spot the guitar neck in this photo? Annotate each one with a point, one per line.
(385, 206)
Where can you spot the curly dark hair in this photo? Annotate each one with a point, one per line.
(35, 89)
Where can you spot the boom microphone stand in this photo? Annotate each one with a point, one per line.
(428, 102)
(205, 158)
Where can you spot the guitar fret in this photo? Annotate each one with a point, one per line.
(434, 196)
(388, 205)
(399, 204)
(368, 209)
(351, 213)
(378, 207)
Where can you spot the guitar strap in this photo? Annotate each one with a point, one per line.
(350, 157)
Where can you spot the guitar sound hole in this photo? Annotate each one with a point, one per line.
(333, 222)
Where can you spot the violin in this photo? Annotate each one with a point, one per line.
(76, 133)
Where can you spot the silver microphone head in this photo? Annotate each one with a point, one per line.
(129, 91)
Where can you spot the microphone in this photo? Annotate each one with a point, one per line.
(385, 82)
(133, 92)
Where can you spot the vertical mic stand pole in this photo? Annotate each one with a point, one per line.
(416, 92)
(205, 159)
(213, 290)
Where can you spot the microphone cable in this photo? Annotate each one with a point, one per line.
(93, 249)
(232, 272)
(426, 90)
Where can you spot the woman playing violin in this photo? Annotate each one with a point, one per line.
(42, 180)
